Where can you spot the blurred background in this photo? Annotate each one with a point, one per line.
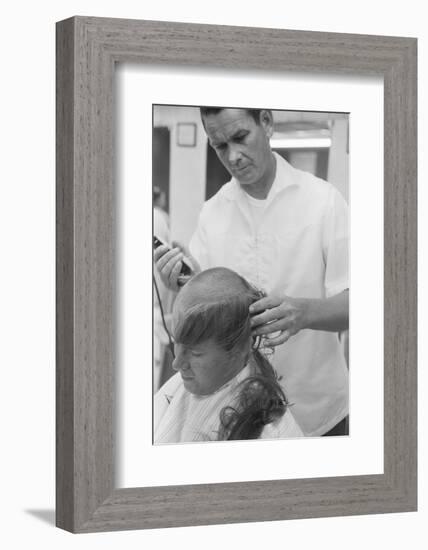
(186, 173)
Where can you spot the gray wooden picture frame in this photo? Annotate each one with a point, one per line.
(87, 50)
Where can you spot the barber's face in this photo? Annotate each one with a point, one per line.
(204, 367)
(241, 144)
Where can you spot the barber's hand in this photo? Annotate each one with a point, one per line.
(278, 313)
(168, 262)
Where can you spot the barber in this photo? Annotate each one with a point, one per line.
(286, 231)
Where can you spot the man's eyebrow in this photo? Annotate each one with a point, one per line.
(241, 132)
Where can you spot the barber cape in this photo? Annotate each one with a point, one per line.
(180, 416)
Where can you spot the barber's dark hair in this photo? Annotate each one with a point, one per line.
(261, 399)
(254, 113)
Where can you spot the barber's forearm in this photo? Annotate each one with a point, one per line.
(329, 314)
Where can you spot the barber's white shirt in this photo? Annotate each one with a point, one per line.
(180, 416)
(257, 209)
(299, 246)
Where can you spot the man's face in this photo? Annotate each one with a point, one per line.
(204, 367)
(241, 144)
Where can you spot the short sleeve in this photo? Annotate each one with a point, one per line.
(336, 244)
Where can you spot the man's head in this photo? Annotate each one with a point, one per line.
(254, 113)
(211, 327)
(240, 137)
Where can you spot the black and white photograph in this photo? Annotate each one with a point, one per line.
(250, 273)
(210, 275)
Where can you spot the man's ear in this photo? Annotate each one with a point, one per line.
(266, 121)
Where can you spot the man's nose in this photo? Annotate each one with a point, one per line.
(234, 155)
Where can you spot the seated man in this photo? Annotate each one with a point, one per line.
(224, 388)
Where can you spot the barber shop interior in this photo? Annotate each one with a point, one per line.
(190, 173)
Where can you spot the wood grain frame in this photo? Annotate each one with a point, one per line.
(87, 50)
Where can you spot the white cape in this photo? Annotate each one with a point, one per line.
(180, 416)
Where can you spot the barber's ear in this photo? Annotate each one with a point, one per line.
(266, 121)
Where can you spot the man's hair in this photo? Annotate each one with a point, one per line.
(254, 113)
(219, 310)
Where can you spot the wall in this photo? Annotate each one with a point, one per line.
(187, 171)
(339, 158)
(27, 300)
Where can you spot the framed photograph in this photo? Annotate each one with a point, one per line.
(186, 134)
(272, 243)
(335, 111)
